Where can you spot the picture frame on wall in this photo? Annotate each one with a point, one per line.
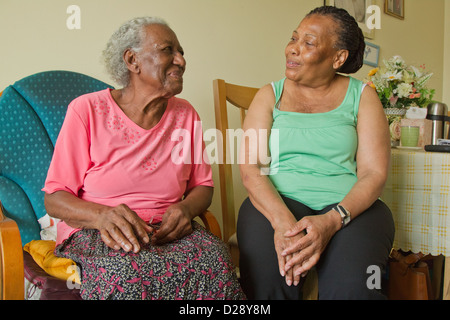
(358, 9)
(371, 54)
(395, 8)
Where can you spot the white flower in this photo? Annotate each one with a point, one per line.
(395, 63)
(408, 77)
(417, 72)
(392, 75)
(398, 60)
(404, 90)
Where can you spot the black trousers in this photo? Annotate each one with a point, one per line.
(346, 269)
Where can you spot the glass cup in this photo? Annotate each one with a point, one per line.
(409, 136)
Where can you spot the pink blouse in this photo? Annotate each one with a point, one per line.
(103, 157)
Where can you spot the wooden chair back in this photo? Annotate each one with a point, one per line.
(241, 98)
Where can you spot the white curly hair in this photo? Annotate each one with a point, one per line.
(128, 36)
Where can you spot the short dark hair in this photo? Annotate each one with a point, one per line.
(350, 36)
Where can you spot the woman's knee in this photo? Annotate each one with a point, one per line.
(356, 255)
(252, 226)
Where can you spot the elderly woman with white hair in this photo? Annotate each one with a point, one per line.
(126, 208)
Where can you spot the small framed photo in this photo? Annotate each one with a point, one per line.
(371, 54)
(395, 8)
(357, 9)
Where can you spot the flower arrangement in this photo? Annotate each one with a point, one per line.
(400, 85)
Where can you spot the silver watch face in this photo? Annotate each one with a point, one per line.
(346, 219)
(345, 215)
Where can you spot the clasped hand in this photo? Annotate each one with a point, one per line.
(121, 228)
(300, 246)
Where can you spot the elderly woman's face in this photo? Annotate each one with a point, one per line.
(311, 49)
(161, 60)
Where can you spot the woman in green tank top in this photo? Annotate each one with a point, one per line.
(330, 150)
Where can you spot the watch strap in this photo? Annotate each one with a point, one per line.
(345, 215)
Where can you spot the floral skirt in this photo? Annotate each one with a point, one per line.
(196, 267)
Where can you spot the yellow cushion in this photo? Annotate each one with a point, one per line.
(42, 252)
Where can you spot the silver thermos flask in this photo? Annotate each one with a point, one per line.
(438, 114)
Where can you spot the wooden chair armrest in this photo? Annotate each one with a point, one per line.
(211, 223)
(11, 260)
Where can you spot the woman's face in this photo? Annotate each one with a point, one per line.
(311, 53)
(161, 62)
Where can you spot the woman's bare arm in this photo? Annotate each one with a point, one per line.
(262, 193)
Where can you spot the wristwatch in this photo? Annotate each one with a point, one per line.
(345, 215)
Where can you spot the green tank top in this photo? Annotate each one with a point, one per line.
(313, 155)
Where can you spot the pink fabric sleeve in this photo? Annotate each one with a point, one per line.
(201, 172)
(71, 155)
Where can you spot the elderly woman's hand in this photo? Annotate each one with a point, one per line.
(307, 250)
(176, 224)
(120, 227)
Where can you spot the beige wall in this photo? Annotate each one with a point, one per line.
(446, 68)
(238, 40)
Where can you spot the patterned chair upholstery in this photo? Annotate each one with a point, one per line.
(32, 111)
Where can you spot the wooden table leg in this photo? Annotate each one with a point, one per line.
(438, 275)
(446, 284)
